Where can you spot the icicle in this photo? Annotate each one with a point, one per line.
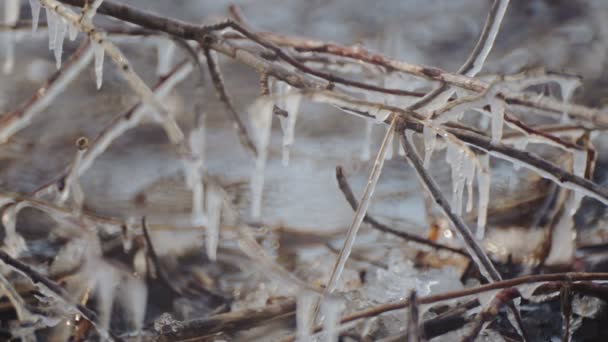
(59, 37)
(579, 167)
(14, 243)
(483, 184)
(261, 122)
(304, 313)
(35, 7)
(430, 140)
(11, 16)
(72, 31)
(292, 104)
(455, 158)
(390, 150)
(99, 53)
(215, 200)
(498, 118)
(331, 308)
(133, 296)
(367, 141)
(469, 176)
(568, 86)
(106, 280)
(51, 21)
(165, 49)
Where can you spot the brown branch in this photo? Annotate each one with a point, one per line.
(218, 82)
(488, 313)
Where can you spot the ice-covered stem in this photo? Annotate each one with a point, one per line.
(38, 279)
(89, 10)
(71, 186)
(7, 289)
(158, 267)
(353, 229)
(488, 313)
(354, 204)
(218, 82)
(15, 121)
(172, 129)
(478, 255)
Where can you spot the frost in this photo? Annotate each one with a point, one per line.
(483, 184)
(215, 200)
(367, 140)
(430, 140)
(165, 49)
(331, 309)
(35, 7)
(11, 15)
(99, 53)
(498, 118)
(304, 314)
(62, 26)
(260, 114)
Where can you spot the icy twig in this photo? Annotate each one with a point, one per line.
(490, 312)
(353, 229)
(218, 82)
(15, 121)
(354, 204)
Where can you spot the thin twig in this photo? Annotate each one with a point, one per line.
(352, 201)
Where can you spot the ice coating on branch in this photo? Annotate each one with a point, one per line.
(304, 313)
(35, 7)
(579, 168)
(483, 184)
(62, 26)
(215, 199)
(11, 15)
(367, 140)
(260, 114)
(430, 140)
(331, 309)
(498, 118)
(99, 54)
(165, 49)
